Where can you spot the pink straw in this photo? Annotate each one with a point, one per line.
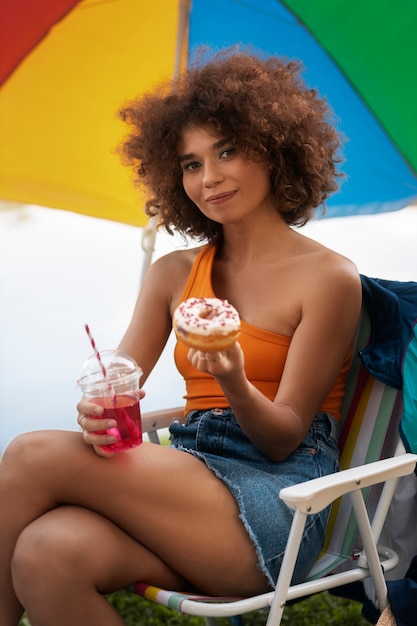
(100, 362)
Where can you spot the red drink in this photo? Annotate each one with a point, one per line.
(112, 382)
(126, 411)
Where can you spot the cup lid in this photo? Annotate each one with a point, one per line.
(118, 365)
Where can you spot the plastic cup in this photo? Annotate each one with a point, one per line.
(120, 399)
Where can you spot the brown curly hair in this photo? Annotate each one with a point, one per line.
(263, 107)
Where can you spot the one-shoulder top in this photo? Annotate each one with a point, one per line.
(265, 353)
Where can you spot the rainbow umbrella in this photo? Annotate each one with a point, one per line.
(66, 67)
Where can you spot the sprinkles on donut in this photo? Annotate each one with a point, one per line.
(206, 324)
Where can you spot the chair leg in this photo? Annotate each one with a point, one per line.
(287, 568)
(370, 548)
(210, 621)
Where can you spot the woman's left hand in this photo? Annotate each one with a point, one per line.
(218, 364)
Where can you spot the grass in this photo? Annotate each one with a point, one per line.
(320, 610)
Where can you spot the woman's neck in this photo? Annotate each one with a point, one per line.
(242, 243)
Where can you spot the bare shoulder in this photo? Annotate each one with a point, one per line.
(168, 274)
(332, 277)
(339, 270)
(176, 263)
(326, 263)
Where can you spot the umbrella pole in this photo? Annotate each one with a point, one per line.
(149, 232)
(148, 245)
(182, 32)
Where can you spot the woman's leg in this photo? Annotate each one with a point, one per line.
(68, 557)
(164, 499)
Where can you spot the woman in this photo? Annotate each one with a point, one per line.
(235, 154)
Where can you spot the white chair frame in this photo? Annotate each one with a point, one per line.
(308, 498)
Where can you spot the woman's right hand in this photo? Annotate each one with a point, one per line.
(93, 426)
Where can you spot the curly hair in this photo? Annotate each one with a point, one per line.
(263, 107)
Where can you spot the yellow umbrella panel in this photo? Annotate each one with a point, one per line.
(58, 102)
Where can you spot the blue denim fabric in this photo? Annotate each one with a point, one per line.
(216, 438)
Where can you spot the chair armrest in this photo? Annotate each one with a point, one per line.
(154, 420)
(314, 495)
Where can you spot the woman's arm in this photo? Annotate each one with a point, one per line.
(146, 335)
(151, 322)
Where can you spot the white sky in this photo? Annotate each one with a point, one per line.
(59, 270)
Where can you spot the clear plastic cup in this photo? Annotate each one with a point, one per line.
(120, 401)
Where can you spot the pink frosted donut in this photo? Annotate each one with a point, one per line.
(206, 324)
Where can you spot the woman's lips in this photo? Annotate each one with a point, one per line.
(220, 197)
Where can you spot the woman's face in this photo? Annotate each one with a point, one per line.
(224, 184)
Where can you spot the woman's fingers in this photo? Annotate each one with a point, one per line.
(85, 407)
(217, 363)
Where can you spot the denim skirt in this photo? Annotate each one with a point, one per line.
(216, 438)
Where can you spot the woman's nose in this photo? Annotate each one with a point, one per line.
(212, 175)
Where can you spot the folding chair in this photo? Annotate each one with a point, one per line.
(372, 455)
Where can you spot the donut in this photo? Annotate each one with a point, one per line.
(206, 324)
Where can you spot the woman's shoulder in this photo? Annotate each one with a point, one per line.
(337, 266)
(326, 259)
(168, 274)
(177, 261)
(327, 270)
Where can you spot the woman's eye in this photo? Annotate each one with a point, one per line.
(227, 152)
(193, 165)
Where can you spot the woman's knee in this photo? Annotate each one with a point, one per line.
(23, 448)
(17, 463)
(17, 447)
(29, 565)
(46, 555)
(31, 450)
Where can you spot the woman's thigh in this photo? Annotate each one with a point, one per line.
(164, 499)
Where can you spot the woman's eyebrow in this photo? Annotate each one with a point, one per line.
(216, 145)
(186, 157)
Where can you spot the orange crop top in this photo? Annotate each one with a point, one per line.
(265, 353)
